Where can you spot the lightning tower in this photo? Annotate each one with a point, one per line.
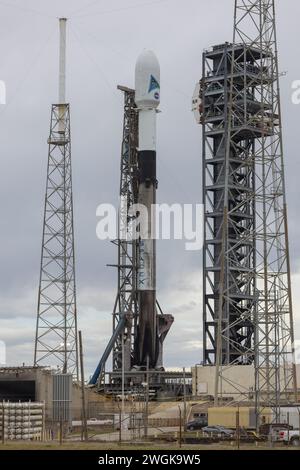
(56, 328)
(247, 301)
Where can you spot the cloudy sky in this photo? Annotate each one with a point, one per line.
(104, 40)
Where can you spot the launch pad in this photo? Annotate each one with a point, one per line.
(154, 383)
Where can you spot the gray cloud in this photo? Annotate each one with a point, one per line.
(102, 50)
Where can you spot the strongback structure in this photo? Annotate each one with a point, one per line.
(56, 328)
(125, 311)
(126, 314)
(247, 304)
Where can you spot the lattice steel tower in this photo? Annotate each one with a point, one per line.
(126, 306)
(125, 312)
(56, 328)
(248, 316)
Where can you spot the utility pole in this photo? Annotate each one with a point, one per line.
(237, 430)
(83, 413)
(184, 398)
(61, 430)
(3, 424)
(120, 425)
(180, 426)
(123, 380)
(146, 400)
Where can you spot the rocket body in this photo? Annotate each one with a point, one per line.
(147, 98)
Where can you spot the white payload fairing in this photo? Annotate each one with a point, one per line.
(147, 98)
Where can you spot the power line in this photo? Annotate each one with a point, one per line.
(129, 7)
(28, 71)
(123, 56)
(27, 10)
(84, 8)
(120, 55)
(96, 64)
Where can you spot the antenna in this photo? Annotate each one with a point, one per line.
(62, 73)
(62, 60)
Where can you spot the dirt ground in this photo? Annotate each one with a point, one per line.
(117, 446)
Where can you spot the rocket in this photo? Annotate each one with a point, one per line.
(147, 99)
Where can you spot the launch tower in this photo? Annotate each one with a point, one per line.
(247, 300)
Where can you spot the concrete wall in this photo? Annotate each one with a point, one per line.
(227, 416)
(43, 378)
(234, 378)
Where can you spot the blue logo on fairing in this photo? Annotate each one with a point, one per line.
(154, 85)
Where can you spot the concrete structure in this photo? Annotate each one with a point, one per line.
(235, 378)
(238, 381)
(34, 384)
(227, 416)
(290, 415)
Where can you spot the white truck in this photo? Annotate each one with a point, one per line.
(289, 436)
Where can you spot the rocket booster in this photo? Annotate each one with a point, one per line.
(147, 98)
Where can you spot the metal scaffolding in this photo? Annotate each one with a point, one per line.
(234, 188)
(126, 304)
(125, 312)
(248, 314)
